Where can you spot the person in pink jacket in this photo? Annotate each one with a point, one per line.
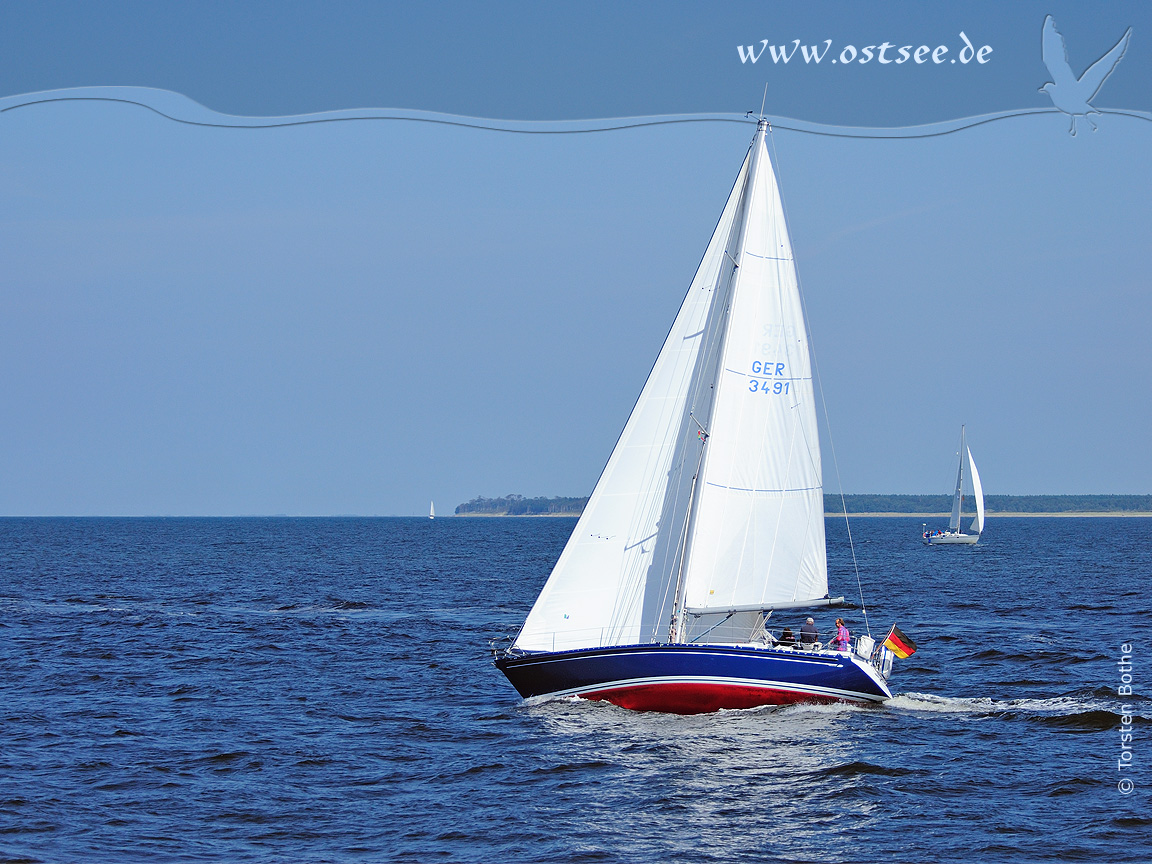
(842, 636)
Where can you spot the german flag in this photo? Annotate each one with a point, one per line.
(899, 644)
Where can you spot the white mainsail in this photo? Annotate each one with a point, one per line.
(758, 536)
(711, 500)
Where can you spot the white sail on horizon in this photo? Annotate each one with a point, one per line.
(967, 480)
(977, 526)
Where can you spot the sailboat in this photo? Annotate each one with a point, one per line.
(955, 535)
(708, 517)
(431, 509)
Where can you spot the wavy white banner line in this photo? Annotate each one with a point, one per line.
(180, 109)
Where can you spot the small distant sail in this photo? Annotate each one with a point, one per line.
(977, 493)
(431, 509)
(899, 644)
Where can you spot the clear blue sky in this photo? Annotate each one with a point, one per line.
(359, 317)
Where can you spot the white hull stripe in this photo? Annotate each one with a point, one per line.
(758, 684)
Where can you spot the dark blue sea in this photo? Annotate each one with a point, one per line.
(320, 690)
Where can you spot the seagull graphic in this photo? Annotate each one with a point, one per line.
(1070, 94)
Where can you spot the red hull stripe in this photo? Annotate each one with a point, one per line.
(703, 696)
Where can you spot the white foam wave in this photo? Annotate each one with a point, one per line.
(820, 708)
(983, 705)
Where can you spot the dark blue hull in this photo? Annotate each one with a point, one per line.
(694, 679)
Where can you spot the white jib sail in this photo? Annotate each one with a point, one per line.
(610, 584)
(758, 534)
(977, 493)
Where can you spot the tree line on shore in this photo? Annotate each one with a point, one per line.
(518, 505)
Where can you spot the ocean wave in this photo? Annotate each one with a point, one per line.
(859, 768)
(1081, 721)
(339, 605)
(825, 708)
(1090, 713)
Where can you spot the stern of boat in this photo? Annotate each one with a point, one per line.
(951, 539)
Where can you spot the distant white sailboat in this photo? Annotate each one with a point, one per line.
(954, 535)
(431, 509)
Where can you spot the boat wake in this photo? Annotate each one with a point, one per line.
(1065, 713)
(817, 708)
(1080, 712)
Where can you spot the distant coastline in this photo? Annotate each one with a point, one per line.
(866, 505)
(518, 505)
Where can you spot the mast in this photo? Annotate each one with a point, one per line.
(676, 628)
(957, 495)
(679, 607)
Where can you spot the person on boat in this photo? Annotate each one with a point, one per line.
(843, 637)
(787, 640)
(808, 634)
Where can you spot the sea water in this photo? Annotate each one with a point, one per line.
(321, 690)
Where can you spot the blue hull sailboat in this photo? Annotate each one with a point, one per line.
(708, 518)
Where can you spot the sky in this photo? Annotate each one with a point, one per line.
(359, 317)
